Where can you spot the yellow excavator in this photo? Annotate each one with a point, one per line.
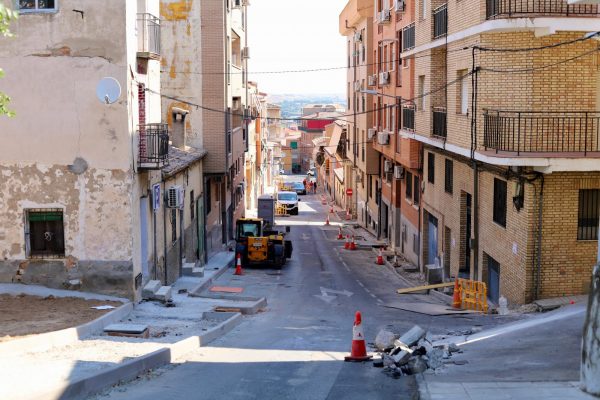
(259, 243)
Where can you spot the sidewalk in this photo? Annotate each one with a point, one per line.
(80, 366)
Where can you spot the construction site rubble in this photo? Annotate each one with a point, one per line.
(411, 353)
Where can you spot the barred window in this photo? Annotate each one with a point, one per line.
(431, 167)
(409, 183)
(45, 233)
(587, 220)
(449, 181)
(500, 202)
(37, 5)
(417, 190)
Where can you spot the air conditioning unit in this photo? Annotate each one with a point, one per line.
(358, 37)
(372, 80)
(387, 166)
(371, 132)
(246, 52)
(383, 138)
(385, 16)
(175, 197)
(399, 5)
(384, 78)
(399, 172)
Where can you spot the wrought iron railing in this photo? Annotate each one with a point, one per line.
(541, 132)
(148, 27)
(408, 37)
(510, 8)
(439, 123)
(408, 118)
(153, 146)
(440, 21)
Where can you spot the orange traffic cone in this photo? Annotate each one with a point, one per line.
(347, 244)
(358, 351)
(330, 209)
(340, 235)
(238, 266)
(352, 244)
(456, 297)
(327, 220)
(379, 260)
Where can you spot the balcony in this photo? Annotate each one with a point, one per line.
(408, 37)
(440, 21)
(153, 146)
(148, 31)
(529, 8)
(439, 123)
(408, 118)
(542, 132)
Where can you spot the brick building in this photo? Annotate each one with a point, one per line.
(511, 183)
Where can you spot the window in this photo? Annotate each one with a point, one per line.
(173, 225)
(409, 183)
(37, 5)
(448, 183)
(44, 233)
(430, 167)
(416, 190)
(208, 197)
(421, 88)
(500, 202)
(587, 216)
(463, 92)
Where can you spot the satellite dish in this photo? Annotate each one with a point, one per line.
(108, 90)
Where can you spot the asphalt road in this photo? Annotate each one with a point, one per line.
(294, 350)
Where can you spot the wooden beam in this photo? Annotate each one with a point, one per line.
(425, 287)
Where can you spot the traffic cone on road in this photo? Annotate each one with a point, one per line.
(327, 221)
(352, 244)
(358, 350)
(331, 209)
(379, 260)
(238, 266)
(340, 235)
(347, 244)
(456, 297)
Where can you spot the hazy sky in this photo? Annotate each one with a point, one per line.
(286, 34)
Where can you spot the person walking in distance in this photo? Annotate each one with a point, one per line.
(315, 187)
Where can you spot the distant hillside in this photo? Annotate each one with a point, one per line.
(291, 104)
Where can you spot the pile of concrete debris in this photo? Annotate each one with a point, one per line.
(411, 353)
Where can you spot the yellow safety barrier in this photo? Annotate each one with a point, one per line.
(473, 295)
(280, 209)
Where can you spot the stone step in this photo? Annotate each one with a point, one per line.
(190, 269)
(163, 294)
(150, 289)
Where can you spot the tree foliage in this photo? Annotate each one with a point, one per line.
(6, 16)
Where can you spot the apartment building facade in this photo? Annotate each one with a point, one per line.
(208, 39)
(83, 180)
(509, 129)
(356, 24)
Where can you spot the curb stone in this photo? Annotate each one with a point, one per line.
(131, 369)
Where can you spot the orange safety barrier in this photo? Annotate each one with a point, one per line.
(473, 295)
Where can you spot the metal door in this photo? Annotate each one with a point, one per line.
(144, 202)
(493, 282)
(432, 240)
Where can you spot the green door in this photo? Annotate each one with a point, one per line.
(200, 220)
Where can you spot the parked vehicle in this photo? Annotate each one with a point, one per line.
(289, 200)
(260, 243)
(299, 188)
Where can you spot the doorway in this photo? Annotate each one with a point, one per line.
(465, 267)
(493, 281)
(432, 236)
(144, 203)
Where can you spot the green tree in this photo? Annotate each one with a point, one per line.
(6, 16)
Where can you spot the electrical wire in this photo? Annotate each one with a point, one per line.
(525, 70)
(548, 46)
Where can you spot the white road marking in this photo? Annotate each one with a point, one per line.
(346, 293)
(360, 283)
(373, 296)
(345, 265)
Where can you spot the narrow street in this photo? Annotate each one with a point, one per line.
(295, 348)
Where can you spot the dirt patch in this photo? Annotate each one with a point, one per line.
(24, 315)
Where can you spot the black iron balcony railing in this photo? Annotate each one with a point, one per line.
(439, 122)
(440, 21)
(148, 30)
(541, 132)
(408, 37)
(408, 118)
(515, 8)
(153, 146)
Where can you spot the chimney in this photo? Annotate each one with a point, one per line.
(178, 134)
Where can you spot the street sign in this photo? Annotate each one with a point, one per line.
(348, 192)
(156, 196)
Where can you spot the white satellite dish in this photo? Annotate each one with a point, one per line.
(108, 90)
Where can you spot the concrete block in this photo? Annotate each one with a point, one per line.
(411, 337)
(126, 328)
(385, 339)
(163, 294)
(150, 288)
(401, 358)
